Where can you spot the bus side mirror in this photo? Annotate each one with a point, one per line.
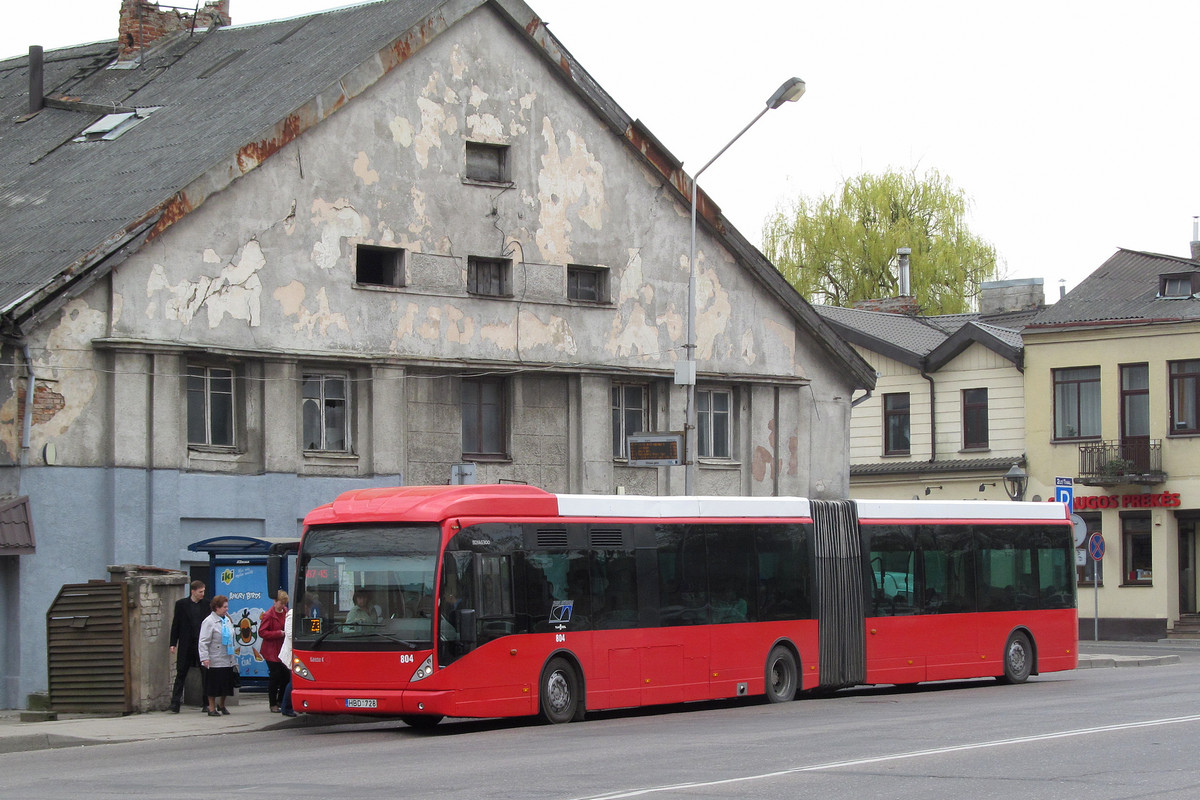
(466, 626)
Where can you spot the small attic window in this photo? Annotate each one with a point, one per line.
(487, 163)
(110, 126)
(1178, 284)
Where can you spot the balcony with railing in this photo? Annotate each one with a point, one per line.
(1115, 463)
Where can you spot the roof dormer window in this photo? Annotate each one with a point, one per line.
(1177, 285)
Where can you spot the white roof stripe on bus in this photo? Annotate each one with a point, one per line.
(653, 507)
(657, 507)
(959, 509)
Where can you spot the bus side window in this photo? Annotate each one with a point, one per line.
(554, 579)
(614, 589)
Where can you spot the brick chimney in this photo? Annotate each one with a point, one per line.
(144, 23)
(1195, 238)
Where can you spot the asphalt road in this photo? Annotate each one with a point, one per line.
(1096, 734)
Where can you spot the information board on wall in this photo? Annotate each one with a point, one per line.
(655, 449)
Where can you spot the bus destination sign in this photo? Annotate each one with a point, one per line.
(655, 449)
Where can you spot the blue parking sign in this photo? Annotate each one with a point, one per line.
(1064, 492)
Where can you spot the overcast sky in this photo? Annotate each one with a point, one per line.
(1072, 125)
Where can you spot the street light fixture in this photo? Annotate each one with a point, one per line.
(1015, 481)
(788, 92)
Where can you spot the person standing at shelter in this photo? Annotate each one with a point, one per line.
(190, 612)
(285, 657)
(270, 629)
(216, 653)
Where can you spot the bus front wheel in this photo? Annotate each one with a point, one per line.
(1018, 659)
(559, 693)
(782, 675)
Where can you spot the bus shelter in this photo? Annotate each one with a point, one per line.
(249, 571)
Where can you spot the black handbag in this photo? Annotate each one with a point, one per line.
(237, 677)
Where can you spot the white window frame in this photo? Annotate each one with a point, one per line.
(207, 374)
(321, 402)
(706, 419)
(619, 416)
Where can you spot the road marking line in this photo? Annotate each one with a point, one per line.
(858, 762)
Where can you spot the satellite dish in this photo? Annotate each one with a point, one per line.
(1080, 526)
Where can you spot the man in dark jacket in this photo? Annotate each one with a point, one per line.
(190, 612)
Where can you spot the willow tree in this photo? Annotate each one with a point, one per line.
(839, 249)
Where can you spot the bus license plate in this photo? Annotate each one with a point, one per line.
(360, 703)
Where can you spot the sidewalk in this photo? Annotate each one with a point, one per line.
(252, 714)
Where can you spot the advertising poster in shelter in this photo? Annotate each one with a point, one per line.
(246, 588)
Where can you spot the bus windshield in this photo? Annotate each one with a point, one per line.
(366, 588)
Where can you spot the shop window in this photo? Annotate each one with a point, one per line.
(1136, 553)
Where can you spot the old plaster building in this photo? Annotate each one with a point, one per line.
(243, 269)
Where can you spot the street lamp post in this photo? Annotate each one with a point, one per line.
(789, 91)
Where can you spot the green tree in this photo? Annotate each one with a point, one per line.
(842, 248)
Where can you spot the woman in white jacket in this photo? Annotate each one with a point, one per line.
(216, 653)
(285, 655)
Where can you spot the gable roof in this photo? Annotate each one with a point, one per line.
(226, 100)
(1123, 291)
(923, 343)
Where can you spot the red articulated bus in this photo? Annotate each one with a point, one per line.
(490, 601)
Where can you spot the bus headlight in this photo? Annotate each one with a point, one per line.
(423, 671)
(298, 668)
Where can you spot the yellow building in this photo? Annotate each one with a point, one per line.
(946, 419)
(1112, 396)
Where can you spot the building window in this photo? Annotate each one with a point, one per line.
(628, 415)
(587, 284)
(378, 266)
(714, 423)
(210, 406)
(484, 414)
(1180, 284)
(895, 424)
(490, 277)
(1185, 396)
(1136, 551)
(324, 410)
(975, 419)
(1087, 570)
(487, 162)
(1077, 403)
(1135, 400)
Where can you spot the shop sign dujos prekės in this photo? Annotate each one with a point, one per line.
(1149, 500)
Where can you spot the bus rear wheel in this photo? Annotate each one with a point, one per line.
(558, 695)
(421, 721)
(782, 675)
(1018, 659)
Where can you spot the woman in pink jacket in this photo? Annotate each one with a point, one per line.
(270, 629)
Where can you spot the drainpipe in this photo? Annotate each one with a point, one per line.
(932, 424)
(27, 425)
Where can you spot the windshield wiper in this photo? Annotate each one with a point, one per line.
(389, 636)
